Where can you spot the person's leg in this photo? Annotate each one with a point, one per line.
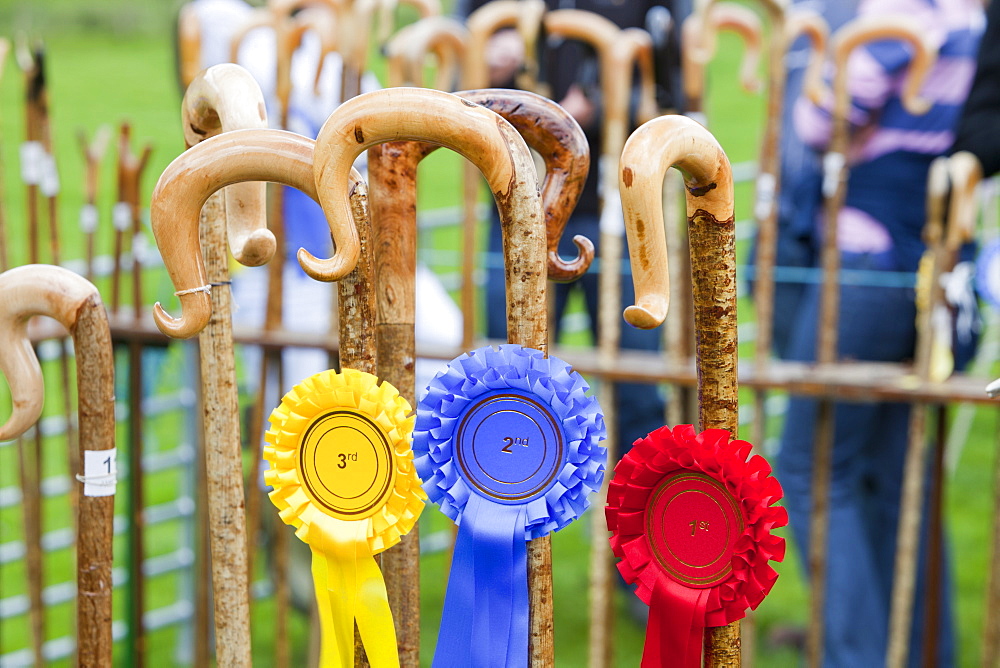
(875, 324)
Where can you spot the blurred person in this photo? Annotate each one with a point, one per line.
(879, 230)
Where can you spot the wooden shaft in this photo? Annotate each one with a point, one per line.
(392, 171)
(223, 457)
(991, 619)
(29, 478)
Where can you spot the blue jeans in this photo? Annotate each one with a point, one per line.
(876, 324)
(640, 406)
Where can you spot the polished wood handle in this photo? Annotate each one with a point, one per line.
(220, 99)
(407, 51)
(667, 141)
(185, 185)
(808, 23)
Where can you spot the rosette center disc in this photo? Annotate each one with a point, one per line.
(509, 447)
(345, 463)
(693, 522)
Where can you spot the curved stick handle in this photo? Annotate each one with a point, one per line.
(965, 173)
(395, 114)
(635, 45)
(664, 142)
(482, 23)
(406, 52)
(28, 291)
(530, 26)
(185, 185)
(557, 137)
(220, 99)
(875, 29)
(699, 36)
(812, 25)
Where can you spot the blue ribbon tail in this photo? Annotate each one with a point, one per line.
(485, 620)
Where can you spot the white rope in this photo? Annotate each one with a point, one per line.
(204, 288)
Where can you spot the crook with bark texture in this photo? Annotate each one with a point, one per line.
(74, 302)
(220, 99)
(186, 184)
(677, 141)
(557, 137)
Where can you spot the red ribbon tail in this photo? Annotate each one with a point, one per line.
(676, 626)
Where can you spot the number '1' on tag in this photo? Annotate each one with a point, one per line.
(100, 472)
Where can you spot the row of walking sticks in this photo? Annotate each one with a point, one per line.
(392, 314)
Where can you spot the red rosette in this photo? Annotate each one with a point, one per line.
(691, 520)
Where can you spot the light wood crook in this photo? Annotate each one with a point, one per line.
(699, 33)
(74, 302)
(677, 141)
(220, 99)
(185, 185)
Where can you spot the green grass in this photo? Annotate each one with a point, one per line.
(110, 60)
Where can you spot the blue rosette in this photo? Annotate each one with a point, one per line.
(507, 443)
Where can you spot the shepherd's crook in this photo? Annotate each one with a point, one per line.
(677, 141)
(74, 302)
(849, 37)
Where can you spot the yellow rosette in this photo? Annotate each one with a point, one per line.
(343, 475)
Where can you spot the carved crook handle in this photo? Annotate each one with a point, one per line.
(395, 114)
(557, 137)
(220, 99)
(406, 52)
(665, 142)
(28, 291)
(875, 29)
(185, 185)
(812, 25)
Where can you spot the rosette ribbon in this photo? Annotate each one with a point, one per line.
(342, 472)
(508, 445)
(691, 522)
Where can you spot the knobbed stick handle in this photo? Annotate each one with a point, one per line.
(667, 141)
(406, 52)
(220, 99)
(557, 137)
(185, 185)
(74, 302)
(28, 291)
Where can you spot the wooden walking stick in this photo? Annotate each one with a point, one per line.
(126, 220)
(852, 35)
(479, 135)
(482, 25)
(74, 302)
(407, 52)
(944, 241)
(182, 190)
(676, 141)
(93, 154)
(221, 99)
(698, 38)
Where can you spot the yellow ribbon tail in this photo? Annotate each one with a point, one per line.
(349, 588)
